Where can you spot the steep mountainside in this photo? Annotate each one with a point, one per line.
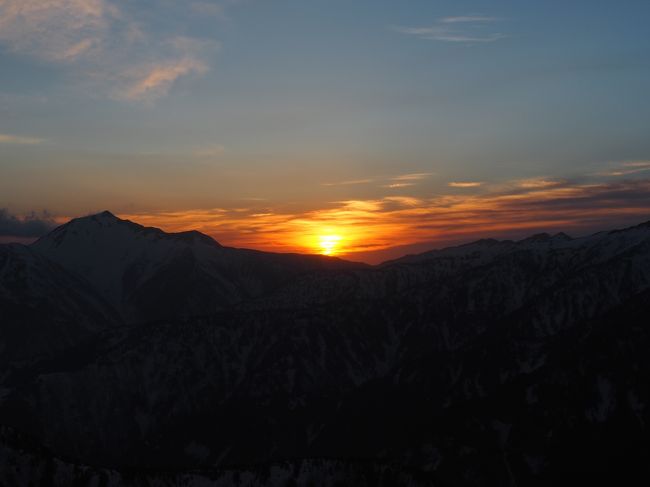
(44, 308)
(148, 274)
(494, 363)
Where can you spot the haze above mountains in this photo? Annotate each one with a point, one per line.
(496, 362)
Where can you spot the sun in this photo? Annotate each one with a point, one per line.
(329, 244)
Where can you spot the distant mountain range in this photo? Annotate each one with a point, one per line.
(167, 359)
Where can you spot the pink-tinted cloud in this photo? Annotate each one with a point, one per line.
(627, 168)
(55, 30)
(103, 44)
(155, 80)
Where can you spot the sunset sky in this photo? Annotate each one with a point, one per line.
(364, 129)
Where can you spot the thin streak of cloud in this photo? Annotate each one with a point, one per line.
(403, 200)
(643, 164)
(538, 183)
(412, 176)
(626, 169)
(399, 181)
(469, 19)
(19, 140)
(397, 185)
(468, 29)
(449, 37)
(446, 35)
(363, 205)
(464, 184)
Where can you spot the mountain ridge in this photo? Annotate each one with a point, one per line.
(133, 266)
(475, 365)
(559, 238)
(106, 218)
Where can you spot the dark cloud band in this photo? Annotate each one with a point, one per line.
(32, 225)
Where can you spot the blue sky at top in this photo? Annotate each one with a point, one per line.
(217, 100)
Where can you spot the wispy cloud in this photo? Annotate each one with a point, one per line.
(464, 184)
(468, 19)
(397, 185)
(390, 182)
(403, 200)
(109, 44)
(373, 224)
(360, 205)
(637, 164)
(152, 80)
(539, 183)
(627, 168)
(56, 30)
(412, 176)
(19, 140)
(468, 29)
(155, 80)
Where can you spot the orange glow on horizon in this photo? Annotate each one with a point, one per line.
(358, 229)
(329, 244)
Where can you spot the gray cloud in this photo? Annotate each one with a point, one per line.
(32, 225)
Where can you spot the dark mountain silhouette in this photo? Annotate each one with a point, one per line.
(44, 308)
(182, 362)
(148, 274)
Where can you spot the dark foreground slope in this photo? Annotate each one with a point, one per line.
(495, 363)
(25, 462)
(44, 309)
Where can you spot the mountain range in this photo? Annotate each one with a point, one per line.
(133, 356)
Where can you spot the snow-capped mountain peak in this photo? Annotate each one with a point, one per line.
(146, 273)
(118, 256)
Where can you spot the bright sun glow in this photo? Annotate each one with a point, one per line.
(329, 244)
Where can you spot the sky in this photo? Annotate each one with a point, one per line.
(365, 129)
